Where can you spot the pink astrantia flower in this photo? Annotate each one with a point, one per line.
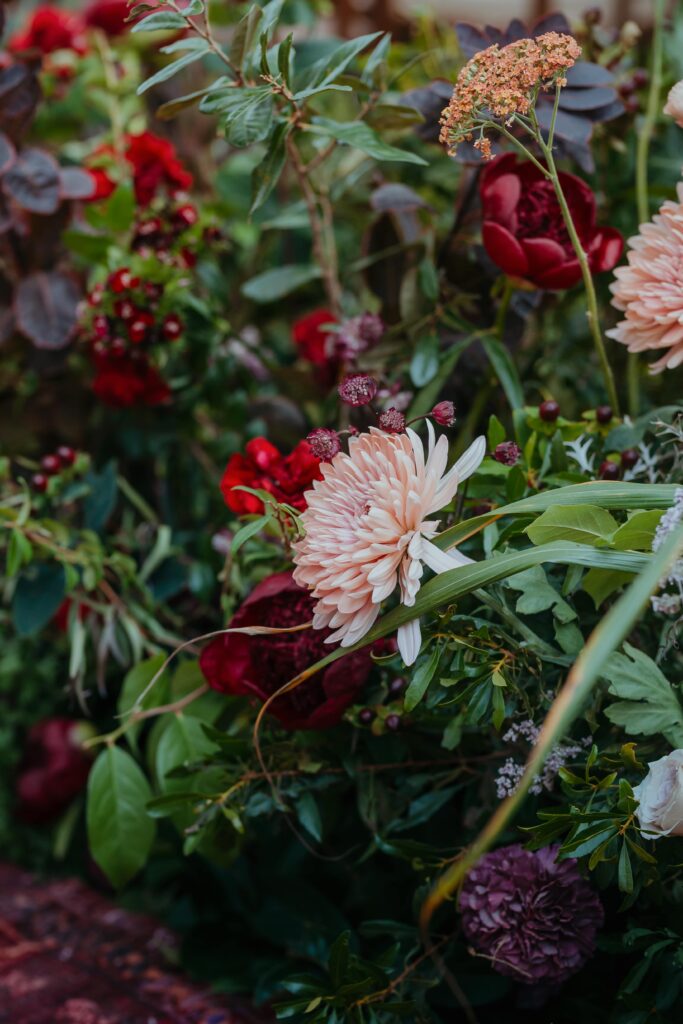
(650, 289)
(367, 530)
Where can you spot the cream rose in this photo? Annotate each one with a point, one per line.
(660, 797)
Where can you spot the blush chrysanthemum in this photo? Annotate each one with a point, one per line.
(368, 531)
(650, 289)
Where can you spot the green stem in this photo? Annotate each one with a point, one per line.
(501, 315)
(591, 297)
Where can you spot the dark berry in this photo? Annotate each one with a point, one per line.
(609, 470)
(185, 216)
(149, 228)
(100, 326)
(66, 455)
(629, 458)
(172, 327)
(397, 685)
(366, 715)
(138, 328)
(549, 411)
(393, 722)
(632, 105)
(125, 309)
(39, 482)
(119, 347)
(641, 78)
(122, 280)
(592, 16)
(604, 414)
(50, 464)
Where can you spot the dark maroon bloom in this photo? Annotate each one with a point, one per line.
(507, 453)
(393, 421)
(357, 389)
(325, 444)
(54, 769)
(443, 413)
(524, 232)
(534, 917)
(261, 665)
(124, 381)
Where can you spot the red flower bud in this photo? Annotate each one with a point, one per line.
(443, 413)
(122, 280)
(172, 327)
(507, 453)
(139, 327)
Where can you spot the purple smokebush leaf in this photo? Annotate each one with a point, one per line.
(32, 182)
(46, 306)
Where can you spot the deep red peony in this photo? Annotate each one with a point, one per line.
(109, 16)
(314, 342)
(263, 467)
(155, 167)
(54, 769)
(260, 665)
(50, 29)
(523, 229)
(123, 381)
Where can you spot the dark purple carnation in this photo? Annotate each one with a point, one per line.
(535, 917)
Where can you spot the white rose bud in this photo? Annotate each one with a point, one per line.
(674, 103)
(660, 797)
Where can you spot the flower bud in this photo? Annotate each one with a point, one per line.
(443, 413)
(507, 453)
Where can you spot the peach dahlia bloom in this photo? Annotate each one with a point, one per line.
(650, 289)
(367, 530)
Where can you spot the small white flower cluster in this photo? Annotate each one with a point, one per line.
(670, 604)
(511, 771)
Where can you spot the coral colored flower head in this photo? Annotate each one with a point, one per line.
(674, 103)
(50, 29)
(524, 231)
(649, 291)
(264, 468)
(155, 165)
(499, 83)
(54, 770)
(368, 531)
(260, 665)
(532, 916)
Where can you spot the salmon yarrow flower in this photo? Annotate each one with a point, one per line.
(368, 531)
(500, 83)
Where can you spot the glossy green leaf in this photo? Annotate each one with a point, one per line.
(361, 136)
(274, 284)
(584, 524)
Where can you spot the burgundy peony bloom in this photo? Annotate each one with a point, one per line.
(155, 167)
(260, 665)
(533, 916)
(265, 468)
(109, 16)
(313, 339)
(50, 29)
(54, 769)
(523, 229)
(124, 381)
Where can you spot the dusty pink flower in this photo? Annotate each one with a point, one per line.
(368, 531)
(674, 103)
(650, 289)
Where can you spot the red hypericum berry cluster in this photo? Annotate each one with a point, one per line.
(549, 411)
(609, 470)
(53, 464)
(604, 414)
(166, 234)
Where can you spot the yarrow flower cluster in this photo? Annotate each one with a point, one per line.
(533, 916)
(670, 604)
(368, 531)
(649, 291)
(498, 83)
(510, 773)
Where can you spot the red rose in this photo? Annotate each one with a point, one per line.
(54, 769)
(50, 29)
(155, 167)
(108, 15)
(124, 381)
(312, 337)
(263, 467)
(260, 665)
(523, 229)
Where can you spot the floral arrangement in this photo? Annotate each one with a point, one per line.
(342, 499)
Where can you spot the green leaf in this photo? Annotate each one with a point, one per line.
(587, 838)
(638, 531)
(120, 832)
(245, 35)
(375, 61)
(247, 531)
(425, 362)
(422, 677)
(585, 524)
(362, 136)
(267, 172)
(161, 21)
(308, 814)
(135, 684)
(321, 75)
(37, 596)
(625, 871)
(101, 502)
(648, 705)
(339, 959)
(169, 70)
(19, 552)
(600, 583)
(248, 114)
(274, 284)
(538, 595)
(505, 370)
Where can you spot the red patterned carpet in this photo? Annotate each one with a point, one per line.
(69, 956)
